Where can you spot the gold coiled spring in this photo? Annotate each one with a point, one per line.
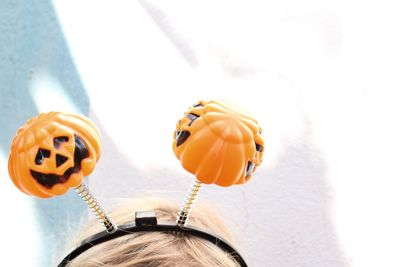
(84, 192)
(184, 213)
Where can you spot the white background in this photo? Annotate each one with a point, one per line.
(321, 77)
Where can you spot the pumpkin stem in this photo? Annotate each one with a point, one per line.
(84, 192)
(184, 213)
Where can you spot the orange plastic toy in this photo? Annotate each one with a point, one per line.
(218, 144)
(52, 153)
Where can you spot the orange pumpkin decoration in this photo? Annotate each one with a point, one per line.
(218, 144)
(52, 153)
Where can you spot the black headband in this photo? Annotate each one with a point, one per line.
(146, 221)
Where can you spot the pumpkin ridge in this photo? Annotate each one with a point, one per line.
(203, 162)
(187, 150)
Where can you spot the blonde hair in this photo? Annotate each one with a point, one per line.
(155, 249)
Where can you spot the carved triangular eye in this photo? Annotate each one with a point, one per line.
(192, 117)
(181, 137)
(259, 148)
(249, 168)
(41, 155)
(60, 159)
(59, 140)
(197, 105)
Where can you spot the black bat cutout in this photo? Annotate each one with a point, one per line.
(48, 180)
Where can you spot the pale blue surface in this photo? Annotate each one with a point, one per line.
(320, 76)
(32, 41)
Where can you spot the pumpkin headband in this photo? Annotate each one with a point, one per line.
(55, 151)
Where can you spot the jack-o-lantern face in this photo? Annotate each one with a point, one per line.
(52, 153)
(218, 144)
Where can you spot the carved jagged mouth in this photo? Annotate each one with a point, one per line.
(48, 180)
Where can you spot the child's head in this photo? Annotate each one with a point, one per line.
(155, 248)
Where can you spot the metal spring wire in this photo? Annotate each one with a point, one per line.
(84, 192)
(191, 196)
